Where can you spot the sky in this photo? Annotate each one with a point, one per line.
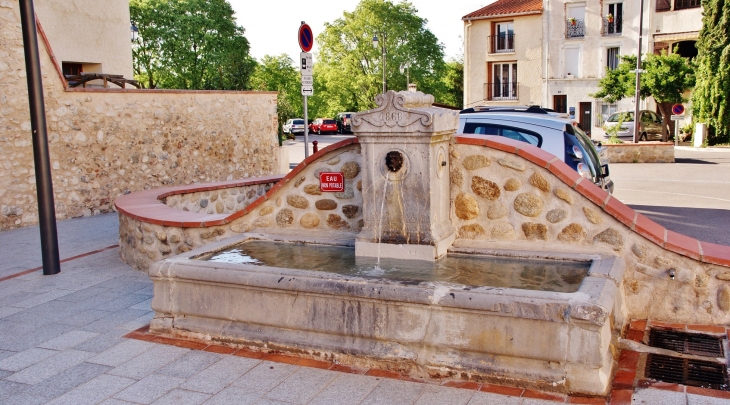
(271, 26)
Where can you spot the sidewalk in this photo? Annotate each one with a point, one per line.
(61, 342)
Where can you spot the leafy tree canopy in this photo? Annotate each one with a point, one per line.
(666, 78)
(348, 69)
(277, 73)
(190, 44)
(711, 99)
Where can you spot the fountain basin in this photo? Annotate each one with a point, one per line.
(555, 341)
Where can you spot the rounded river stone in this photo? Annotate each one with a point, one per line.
(347, 194)
(312, 189)
(539, 181)
(511, 164)
(457, 178)
(611, 237)
(528, 204)
(471, 231)
(556, 215)
(285, 217)
(350, 211)
(592, 215)
(326, 204)
(572, 233)
(534, 231)
(266, 210)
(485, 188)
(475, 162)
(497, 211)
(309, 220)
(335, 221)
(350, 170)
(512, 184)
(297, 201)
(466, 206)
(723, 297)
(564, 195)
(503, 231)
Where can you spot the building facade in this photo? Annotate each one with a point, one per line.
(568, 46)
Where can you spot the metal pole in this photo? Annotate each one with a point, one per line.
(637, 96)
(306, 129)
(384, 63)
(44, 182)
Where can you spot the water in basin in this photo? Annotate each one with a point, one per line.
(455, 269)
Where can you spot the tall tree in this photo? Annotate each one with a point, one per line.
(350, 68)
(190, 44)
(666, 78)
(277, 73)
(711, 99)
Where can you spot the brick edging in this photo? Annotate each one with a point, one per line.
(146, 205)
(681, 244)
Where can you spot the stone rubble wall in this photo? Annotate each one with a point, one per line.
(499, 197)
(105, 143)
(225, 201)
(645, 152)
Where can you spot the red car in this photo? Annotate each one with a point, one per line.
(321, 125)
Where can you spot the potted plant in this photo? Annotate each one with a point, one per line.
(609, 17)
(572, 21)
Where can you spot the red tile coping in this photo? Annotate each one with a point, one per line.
(146, 205)
(675, 242)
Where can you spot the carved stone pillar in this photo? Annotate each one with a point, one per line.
(405, 159)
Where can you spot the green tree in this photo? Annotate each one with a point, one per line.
(666, 78)
(349, 69)
(711, 98)
(190, 44)
(453, 80)
(277, 73)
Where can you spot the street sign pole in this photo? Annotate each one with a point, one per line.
(306, 41)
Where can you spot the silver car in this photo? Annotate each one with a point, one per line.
(294, 126)
(650, 125)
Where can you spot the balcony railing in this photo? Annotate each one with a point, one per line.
(612, 26)
(574, 28)
(502, 43)
(682, 4)
(501, 91)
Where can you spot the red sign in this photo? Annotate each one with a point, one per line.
(331, 182)
(306, 38)
(678, 109)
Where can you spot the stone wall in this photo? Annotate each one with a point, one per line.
(226, 201)
(106, 143)
(645, 152)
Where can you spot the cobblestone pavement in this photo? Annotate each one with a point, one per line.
(61, 342)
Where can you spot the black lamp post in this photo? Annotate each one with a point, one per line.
(135, 32)
(41, 159)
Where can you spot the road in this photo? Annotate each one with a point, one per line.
(691, 196)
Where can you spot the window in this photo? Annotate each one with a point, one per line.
(571, 62)
(517, 134)
(575, 26)
(613, 22)
(504, 81)
(71, 68)
(605, 110)
(683, 4)
(612, 57)
(504, 37)
(663, 5)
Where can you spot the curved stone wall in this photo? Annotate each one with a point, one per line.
(504, 194)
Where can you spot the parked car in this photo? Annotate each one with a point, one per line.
(322, 125)
(650, 125)
(546, 130)
(343, 122)
(294, 126)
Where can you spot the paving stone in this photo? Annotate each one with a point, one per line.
(654, 396)
(4, 373)
(94, 391)
(84, 294)
(41, 298)
(12, 298)
(302, 385)
(102, 342)
(149, 389)
(266, 401)
(234, 396)
(143, 320)
(49, 367)
(24, 398)
(7, 311)
(121, 353)
(5, 354)
(112, 401)
(67, 380)
(346, 389)
(437, 395)
(189, 364)
(19, 341)
(68, 340)
(488, 398)
(124, 302)
(9, 388)
(693, 399)
(394, 392)
(25, 359)
(84, 317)
(265, 376)
(112, 321)
(182, 397)
(149, 361)
(221, 374)
(144, 305)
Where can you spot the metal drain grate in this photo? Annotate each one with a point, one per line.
(688, 343)
(688, 372)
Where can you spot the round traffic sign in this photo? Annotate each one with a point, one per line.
(306, 37)
(678, 109)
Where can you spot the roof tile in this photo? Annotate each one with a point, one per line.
(506, 7)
